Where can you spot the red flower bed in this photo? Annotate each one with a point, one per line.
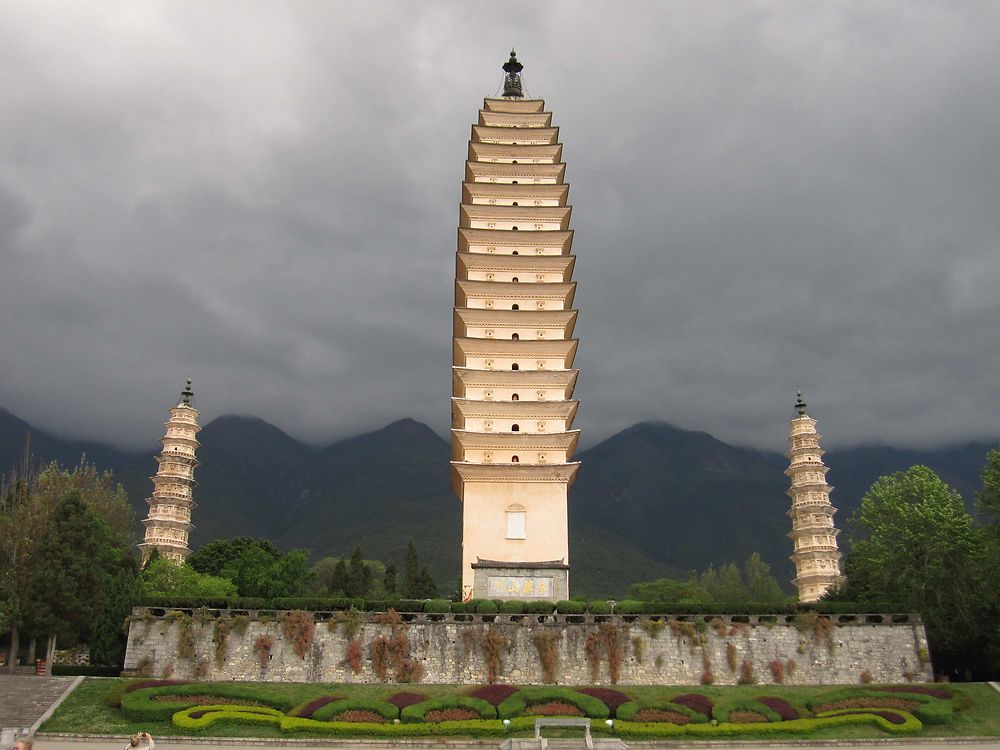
(896, 703)
(356, 716)
(695, 701)
(780, 706)
(935, 692)
(310, 708)
(494, 694)
(402, 700)
(553, 708)
(658, 714)
(746, 717)
(154, 683)
(450, 714)
(611, 698)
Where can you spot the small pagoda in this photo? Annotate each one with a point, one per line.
(513, 350)
(168, 524)
(816, 556)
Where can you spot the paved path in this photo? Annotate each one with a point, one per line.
(25, 698)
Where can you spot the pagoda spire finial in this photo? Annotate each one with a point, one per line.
(800, 405)
(187, 393)
(512, 81)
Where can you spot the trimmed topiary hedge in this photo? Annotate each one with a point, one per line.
(437, 606)
(519, 702)
(417, 712)
(722, 709)
(540, 608)
(599, 608)
(568, 607)
(512, 607)
(139, 705)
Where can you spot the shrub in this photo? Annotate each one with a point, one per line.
(487, 607)
(417, 712)
(437, 606)
(386, 710)
(630, 607)
(512, 607)
(402, 700)
(566, 607)
(494, 694)
(723, 710)
(746, 673)
(353, 656)
(306, 710)
(516, 704)
(695, 701)
(608, 696)
(780, 706)
(539, 608)
(141, 705)
(935, 712)
(599, 608)
(707, 678)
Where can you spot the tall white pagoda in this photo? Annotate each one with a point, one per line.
(513, 351)
(169, 521)
(816, 556)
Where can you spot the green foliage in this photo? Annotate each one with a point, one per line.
(566, 607)
(417, 711)
(912, 540)
(437, 605)
(255, 566)
(726, 585)
(723, 708)
(539, 607)
(141, 705)
(988, 498)
(599, 608)
(516, 704)
(411, 570)
(511, 607)
(165, 578)
(121, 591)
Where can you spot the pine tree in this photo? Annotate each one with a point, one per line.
(356, 575)
(426, 588)
(108, 638)
(389, 580)
(411, 571)
(368, 581)
(338, 584)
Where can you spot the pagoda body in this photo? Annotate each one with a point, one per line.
(816, 557)
(513, 351)
(169, 521)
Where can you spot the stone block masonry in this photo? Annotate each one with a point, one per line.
(588, 649)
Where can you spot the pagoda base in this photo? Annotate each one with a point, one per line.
(497, 579)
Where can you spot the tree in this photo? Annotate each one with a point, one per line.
(122, 590)
(28, 498)
(389, 580)
(339, 583)
(425, 587)
(761, 585)
(356, 575)
(913, 542)
(165, 577)
(65, 593)
(411, 570)
(214, 557)
(988, 499)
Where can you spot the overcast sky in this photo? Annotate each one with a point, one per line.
(263, 196)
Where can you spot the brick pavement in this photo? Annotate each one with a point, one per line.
(24, 698)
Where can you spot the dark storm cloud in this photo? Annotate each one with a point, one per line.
(263, 197)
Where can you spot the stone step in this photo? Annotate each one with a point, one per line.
(24, 698)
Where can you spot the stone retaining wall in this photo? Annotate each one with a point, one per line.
(449, 648)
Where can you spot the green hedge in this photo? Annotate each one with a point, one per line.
(210, 602)
(567, 607)
(935, 712)
(652, 730)
(631, 607)
(487, 607)
(627, 711)
(516, 704)
(512, 607)
(539, 608)
(139, 705)
(437, 606)
(315, 603)
(851, 693)
(599, 608)
(87, 670)
(416, 712)
(386, 710)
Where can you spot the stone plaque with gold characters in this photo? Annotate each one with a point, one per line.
(520, 586)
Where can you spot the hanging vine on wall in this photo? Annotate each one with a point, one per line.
(592, 649)
(548, 655)
(299, 628)
(493, 644)
(262, 647)
(394, 652)
(185, 634)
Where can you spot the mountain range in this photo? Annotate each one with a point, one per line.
(650, 501)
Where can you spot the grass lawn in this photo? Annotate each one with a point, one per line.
(88, 711)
